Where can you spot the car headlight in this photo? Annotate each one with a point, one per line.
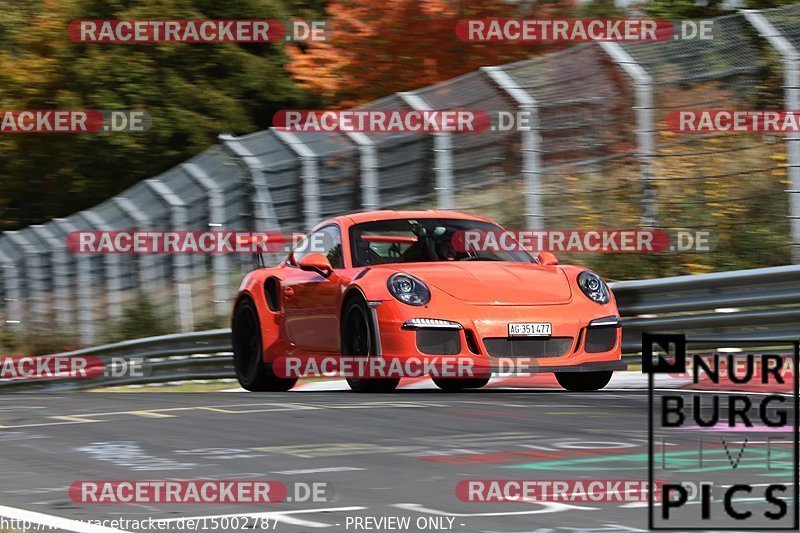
(593, 287)
(408, 289)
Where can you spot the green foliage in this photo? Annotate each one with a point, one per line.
(192, 91)
(36, 342)
(143, 318)
(684, 9)
(600, 9)
(767, 4)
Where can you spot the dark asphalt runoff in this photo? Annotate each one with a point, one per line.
(375, 460)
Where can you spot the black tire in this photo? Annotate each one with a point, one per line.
(358, 340)
(583, 381)
(457, 384)
(251, 371)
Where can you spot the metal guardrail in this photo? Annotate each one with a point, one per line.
(595, 113)
(165, 358)
(758, 304)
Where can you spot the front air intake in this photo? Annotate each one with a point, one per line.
(601, 339)
(527, 347)
(439, 341)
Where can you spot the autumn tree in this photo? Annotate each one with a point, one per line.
(193, 92)
(379, 48)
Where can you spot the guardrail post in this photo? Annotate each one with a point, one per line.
(790, 57)
(11, 291)
(531, 146)
(179, 262)
(309, 175)
(84, 290)
(37, 314)
(62, 305)
(86, 328)
(442, 154)
(370, 193)
(112, 274)
(149, 280)
(645, 143)
(264, 211)
(216, 213)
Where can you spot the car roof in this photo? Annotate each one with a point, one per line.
(371, 216)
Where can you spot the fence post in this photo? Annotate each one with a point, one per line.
(309, 175)
(37, 313)
(62, 306)
(113, 274)
(370, 192)
(645, 142)
(531, 146)
(790, 58)
(179, 262)
(264, 211)
(216, 214)
(11, 291)
(149, 280)
(442, 154)
(84, 290)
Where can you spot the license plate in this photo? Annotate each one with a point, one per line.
(530, 329)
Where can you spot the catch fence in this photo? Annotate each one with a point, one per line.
(598, 155)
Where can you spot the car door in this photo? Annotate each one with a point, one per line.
(311, 301)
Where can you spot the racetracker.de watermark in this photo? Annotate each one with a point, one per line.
(729, 121)
(70, 367)
(73, 121)
(379, 367)
(553, 490)
(177, 492)
(383, 121)
(50, 367)
(580, 30)
(407, 366)
(584, 241)
(179, 242)
(409, 121)
(197, 31)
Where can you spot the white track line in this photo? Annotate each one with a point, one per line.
(278, 516)
(54, 522)
(620, 380)
(327, 385)
(546, 507)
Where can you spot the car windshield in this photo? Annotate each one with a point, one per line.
(416, 240)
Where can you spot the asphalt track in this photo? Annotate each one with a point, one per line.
(395, 455)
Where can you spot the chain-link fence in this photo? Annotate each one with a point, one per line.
(598, 154)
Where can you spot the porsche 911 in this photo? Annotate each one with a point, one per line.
(391, 284)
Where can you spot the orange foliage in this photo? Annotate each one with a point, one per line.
(381, 47)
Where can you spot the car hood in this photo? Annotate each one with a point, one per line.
(496, 283)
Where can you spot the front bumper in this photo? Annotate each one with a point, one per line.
(586, 337)
(591, 366)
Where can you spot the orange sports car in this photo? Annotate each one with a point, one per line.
(391, 284)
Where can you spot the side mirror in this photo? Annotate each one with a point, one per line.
(316, 262)
(547, 259)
